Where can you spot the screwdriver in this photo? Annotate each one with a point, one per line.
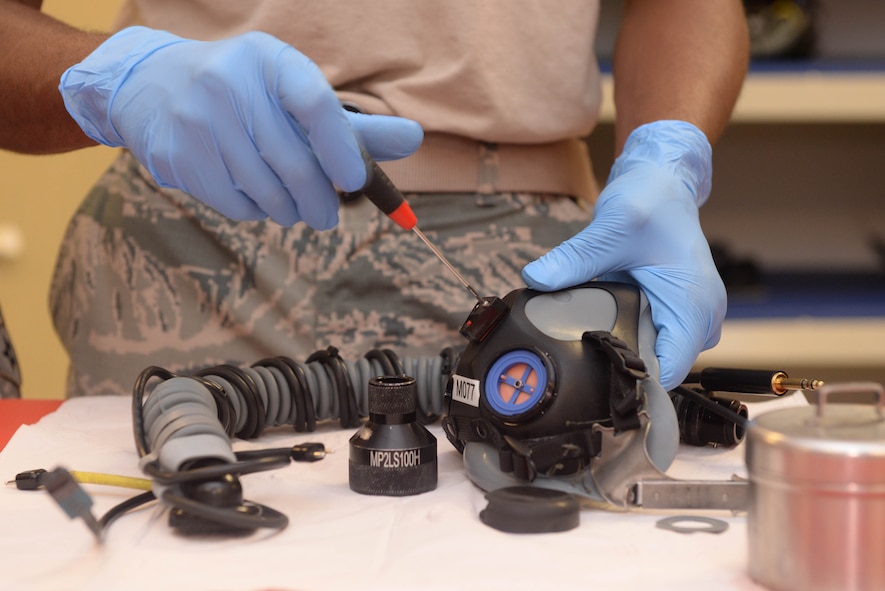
(380, 190)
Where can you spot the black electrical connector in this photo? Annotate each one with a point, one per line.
(706, 419)
(484, 317)
(308, 452)
(750, 381)
(29, 479)
(73, 500)
(300, 452)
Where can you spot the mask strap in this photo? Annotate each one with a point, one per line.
(627, 369)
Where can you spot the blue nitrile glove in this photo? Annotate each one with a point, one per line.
(248, 125)
(646, 224)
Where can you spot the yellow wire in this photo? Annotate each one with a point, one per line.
(111, 480)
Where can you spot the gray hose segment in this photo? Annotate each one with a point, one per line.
(182, 409)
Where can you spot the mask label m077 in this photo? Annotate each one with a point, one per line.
(465, 390)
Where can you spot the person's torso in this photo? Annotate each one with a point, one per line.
(506, 71)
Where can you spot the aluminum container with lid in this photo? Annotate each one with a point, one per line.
(816, 515)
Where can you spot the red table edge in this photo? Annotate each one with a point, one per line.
(15, 412)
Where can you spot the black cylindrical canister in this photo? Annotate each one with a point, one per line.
(392, 454)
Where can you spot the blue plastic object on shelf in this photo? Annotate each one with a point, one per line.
(810, 294)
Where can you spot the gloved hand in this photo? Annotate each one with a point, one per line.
(646, 224)
(248, 125)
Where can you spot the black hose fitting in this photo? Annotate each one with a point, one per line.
(716, 421)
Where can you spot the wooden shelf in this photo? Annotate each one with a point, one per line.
(799, 96)
(823, 342)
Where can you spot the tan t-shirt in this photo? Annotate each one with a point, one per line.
(519, 73)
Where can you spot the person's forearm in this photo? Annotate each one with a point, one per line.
(37, 50)
(679, 59)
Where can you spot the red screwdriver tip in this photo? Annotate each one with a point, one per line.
(404, 216)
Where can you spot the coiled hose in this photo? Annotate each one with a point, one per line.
(196, 416)
(183, 427)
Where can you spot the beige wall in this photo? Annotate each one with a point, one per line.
(37, 196)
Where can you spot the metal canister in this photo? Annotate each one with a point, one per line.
(816, 516)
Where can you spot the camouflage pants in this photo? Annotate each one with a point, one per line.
(10, 376)
(147, 276)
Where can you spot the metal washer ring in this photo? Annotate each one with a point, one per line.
(714, 526)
